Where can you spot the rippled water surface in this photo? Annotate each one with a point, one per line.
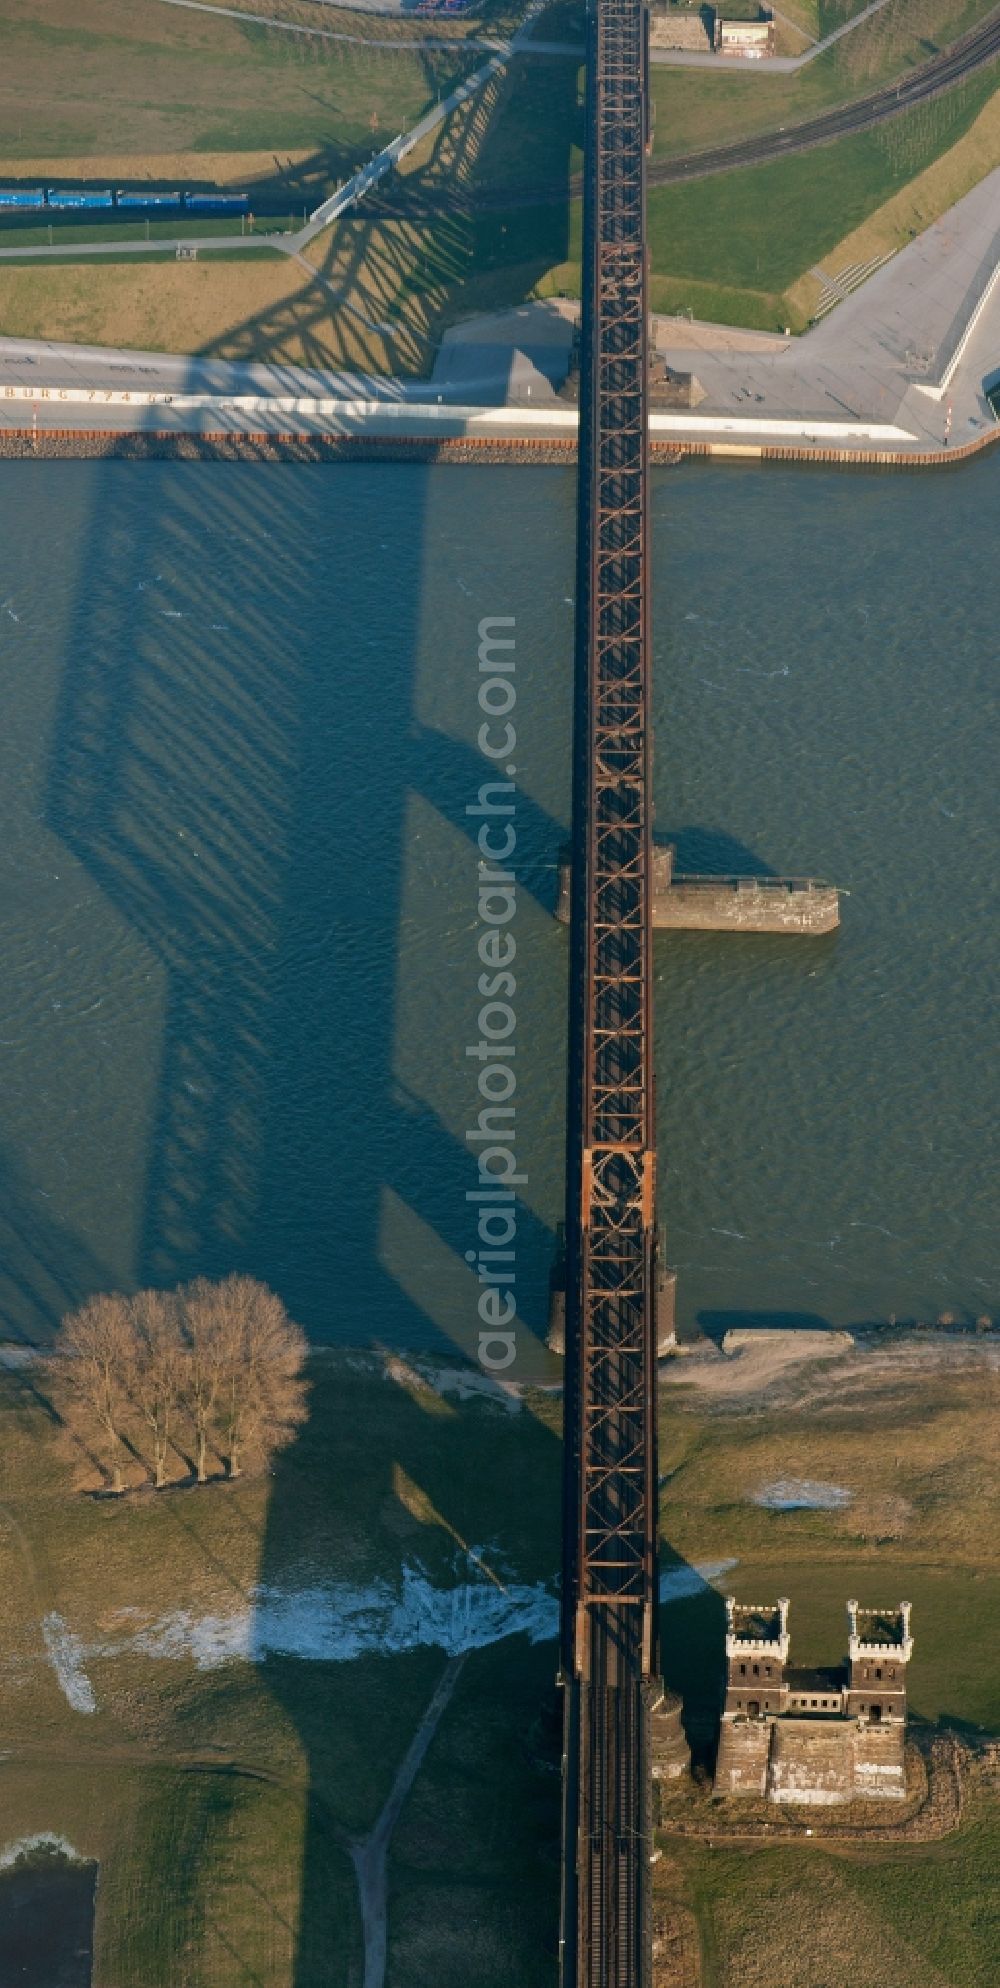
(238, 884)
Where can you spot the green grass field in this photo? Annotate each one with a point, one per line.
(155, 87)
(436, 246)
(487, 18)
(219, 1797)
(811, 1917)
(463, 229)
(728, 247)
(754, 233)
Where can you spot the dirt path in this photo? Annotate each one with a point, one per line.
(370, 1854)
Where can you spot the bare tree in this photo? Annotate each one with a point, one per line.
(225, 1358)
(89, 1377)
(204, 1363)
(156, 1362)
(260, 1397)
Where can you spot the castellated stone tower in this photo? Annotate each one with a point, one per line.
(879, 1648)
(756, 1655)
(814, 1736)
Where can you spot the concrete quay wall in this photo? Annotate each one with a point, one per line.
(278, 445)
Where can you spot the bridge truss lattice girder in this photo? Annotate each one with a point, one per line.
(609, 1636)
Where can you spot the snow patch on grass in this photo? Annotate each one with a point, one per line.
(66, 1653)
(335, 1623)
(802, 1494)
(44, 1844)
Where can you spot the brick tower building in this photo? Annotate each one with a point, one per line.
(879, 1648)
(814, 1736)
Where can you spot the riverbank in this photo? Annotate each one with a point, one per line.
(899, 374)
(138, 445)
(227, 1683)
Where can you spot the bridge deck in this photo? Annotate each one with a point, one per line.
(609, 1638)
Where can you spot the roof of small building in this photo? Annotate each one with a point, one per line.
(815, 1681)
(880, 1625)
(756, 1625)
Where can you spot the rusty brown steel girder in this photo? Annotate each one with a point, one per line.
(609, 1649)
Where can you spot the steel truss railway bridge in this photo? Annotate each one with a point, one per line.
(609, 1637)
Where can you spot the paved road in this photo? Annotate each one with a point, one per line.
(941, 73)
(159, 245)
(784, 64)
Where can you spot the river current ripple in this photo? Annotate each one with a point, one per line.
(239, 887)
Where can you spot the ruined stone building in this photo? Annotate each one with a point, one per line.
(668, 1746)
(814, 1735)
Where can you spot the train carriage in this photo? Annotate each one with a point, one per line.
(131, 201)
(22, 199)
(222, 203)
(62, 199)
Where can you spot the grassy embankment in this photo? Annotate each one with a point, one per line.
(810, 1917)
(466, 226)
(732, 247)
(243, 1781)
(693, 116)
(213, 1796)
(93, 91)
(736, 247)
(98, 90)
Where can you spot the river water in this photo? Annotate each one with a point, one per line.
(238, 884)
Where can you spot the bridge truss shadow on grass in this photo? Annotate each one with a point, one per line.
(429, 246)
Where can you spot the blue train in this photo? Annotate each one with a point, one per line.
(62, 200)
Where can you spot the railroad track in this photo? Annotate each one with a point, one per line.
(932, 79)
(943, 72)
(610, 1582)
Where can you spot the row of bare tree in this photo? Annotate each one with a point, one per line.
(168, 1378)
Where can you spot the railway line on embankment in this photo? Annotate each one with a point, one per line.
(940, 73)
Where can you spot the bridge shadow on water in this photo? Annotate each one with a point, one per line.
(219, 781)
(712, 852)
(238, 761)
(45, 1269)
(216, 769)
